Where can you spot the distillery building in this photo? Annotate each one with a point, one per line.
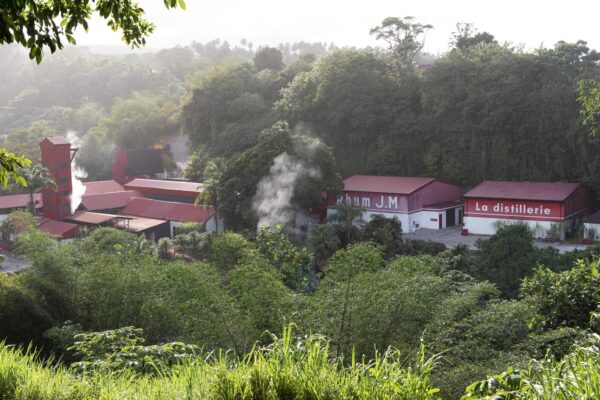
(417, 202)
(545, 207)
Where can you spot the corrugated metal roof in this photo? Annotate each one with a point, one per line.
(167, 210)
(99, 187)
(56, 140)
(386, 184)
(56, 228)
(138, 224)
(105, 201)
(20, 201)
(87, 217)
(541, 191)
(191, 213)
(172, 186)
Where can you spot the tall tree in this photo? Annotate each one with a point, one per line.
(268, 58)
(347, 215)
(405, 39)
(37, 178)
(209, 196)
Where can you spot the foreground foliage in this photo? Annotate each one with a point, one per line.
(287, 369)
(576, 376)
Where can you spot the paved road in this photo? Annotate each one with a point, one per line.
(12, 263)
(452, 236)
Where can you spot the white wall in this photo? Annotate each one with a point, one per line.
(211, 225)
(485, 226)
(595, 226)
(423, 219)
(410, 222)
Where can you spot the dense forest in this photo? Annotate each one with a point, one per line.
(481, 110)
(339, 311)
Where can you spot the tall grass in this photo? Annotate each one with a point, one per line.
(287, 369)
(576, 376)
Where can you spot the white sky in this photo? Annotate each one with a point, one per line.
(347, 23)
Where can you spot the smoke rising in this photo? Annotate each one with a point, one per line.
(77, 173)
(273, 200)
(78, 187)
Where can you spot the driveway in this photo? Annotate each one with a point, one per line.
(12, 263)
(452, 236)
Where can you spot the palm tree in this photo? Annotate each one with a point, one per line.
(348, 215)
(37, 178)
(209, 195)
(324, 242)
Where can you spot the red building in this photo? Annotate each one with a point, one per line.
(178, 191)
(542, 206)
(418, 202)
(56, 156)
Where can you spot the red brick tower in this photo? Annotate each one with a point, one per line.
(56, 156)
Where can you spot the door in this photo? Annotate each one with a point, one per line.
(460, 216)
(440, 221)
(450, 217)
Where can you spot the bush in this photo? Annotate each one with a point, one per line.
(576, 376)
(507, 257)
(22, 319)
(565, 298)
(228, 249)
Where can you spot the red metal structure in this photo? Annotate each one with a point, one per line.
(56, 156)
(178, 191)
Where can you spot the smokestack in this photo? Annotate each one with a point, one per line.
(56, 156)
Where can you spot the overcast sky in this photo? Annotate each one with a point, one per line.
(347, 23)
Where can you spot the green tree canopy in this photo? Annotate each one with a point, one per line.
(37, 24)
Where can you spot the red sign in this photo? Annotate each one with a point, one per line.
(513, 209)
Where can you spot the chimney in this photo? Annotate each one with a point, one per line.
(56, 156)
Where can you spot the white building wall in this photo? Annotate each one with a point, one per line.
(211, 225)
(410, 222)
(486, 226)
(423, 219)
(596, 227)
(403, 218)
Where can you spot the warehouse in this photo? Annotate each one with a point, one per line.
(552, 210)
(178, 191)
(417, 202)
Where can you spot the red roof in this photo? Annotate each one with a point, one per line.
(87, 217)
(56, 228)
(541, 191)
(168, 210)
(164, 186)
(386, 184)
(19, 201)
(99, 187)
(138, 224)
(105, 201)
(56, 140)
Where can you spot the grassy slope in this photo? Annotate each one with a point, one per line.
(286, 370)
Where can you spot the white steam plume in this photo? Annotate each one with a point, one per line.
(78, 186)
(273, 199)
